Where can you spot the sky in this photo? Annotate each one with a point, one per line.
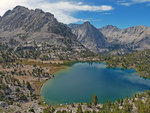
(120, 13)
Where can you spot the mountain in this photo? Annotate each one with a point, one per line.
(90, 37)
(73, 25)
(111, 39)
(24, 28)
(137, 37)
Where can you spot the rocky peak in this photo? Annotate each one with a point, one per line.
(136, 29)
(20, 8)
(110, 27)
(139, 27)
(23, 19)
(28, 20)
(17, 10)
(87, 23)
(90, 37)
(88, 27)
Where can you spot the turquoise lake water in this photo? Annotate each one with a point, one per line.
(82, 80)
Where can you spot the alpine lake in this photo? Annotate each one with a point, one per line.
(81, 81)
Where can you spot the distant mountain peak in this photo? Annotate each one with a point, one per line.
(139, 27)
(72, 25)
(87, 22)
(90, 37)
(110, 27)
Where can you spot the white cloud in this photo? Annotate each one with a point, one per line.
(80, 3)
(62, 10)
(120, 1)
(140, 1)
(124, 3)
(106, 14)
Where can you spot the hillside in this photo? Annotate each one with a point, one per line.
(138, 60)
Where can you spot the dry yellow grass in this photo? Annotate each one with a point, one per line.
(52, 65)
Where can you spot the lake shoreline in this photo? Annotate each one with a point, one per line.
(84, 62)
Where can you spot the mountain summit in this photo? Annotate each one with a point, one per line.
(32, 21)
(90, 37)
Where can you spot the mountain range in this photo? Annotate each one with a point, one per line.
(116, 41)
(138, 36)
(25, 29)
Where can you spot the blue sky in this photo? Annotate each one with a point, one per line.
(120, 13)
(122, 16)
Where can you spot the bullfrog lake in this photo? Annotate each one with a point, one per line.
(81, 81)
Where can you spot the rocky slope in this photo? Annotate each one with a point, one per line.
(24, 28)
(90, 37)
(135, 38)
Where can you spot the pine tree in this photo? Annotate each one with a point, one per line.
(94, 99)
(79, 110)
